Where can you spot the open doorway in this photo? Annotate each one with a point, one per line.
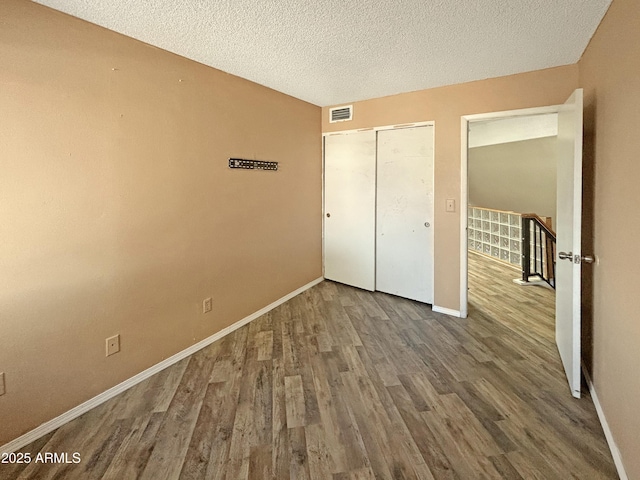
(511, 174)
(512, 187)
(507, 178)
(569, 224)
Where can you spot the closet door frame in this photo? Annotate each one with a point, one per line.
(432, 214)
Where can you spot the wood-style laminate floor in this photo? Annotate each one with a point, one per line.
(340, 383)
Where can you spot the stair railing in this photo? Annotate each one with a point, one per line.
(538, 250)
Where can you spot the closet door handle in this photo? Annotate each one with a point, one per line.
(427, 224)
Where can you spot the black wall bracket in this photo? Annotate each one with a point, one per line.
(252, 164)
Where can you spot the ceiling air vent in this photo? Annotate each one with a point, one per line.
(341, 114)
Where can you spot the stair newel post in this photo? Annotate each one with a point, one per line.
(526, 263)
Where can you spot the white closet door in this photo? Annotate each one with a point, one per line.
(349, 208)
(404, 250)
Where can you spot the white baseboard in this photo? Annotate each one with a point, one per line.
(446, 311)
(75, 412)
(615, 453)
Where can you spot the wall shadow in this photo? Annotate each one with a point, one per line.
(588, 219)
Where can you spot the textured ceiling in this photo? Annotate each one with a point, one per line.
(328, 52)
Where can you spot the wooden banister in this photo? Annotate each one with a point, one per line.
(542, 223)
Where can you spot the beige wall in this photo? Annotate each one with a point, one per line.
(610, 75)
(119, 213)
(517, 176)
(445, 106)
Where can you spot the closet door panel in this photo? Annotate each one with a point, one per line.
(404, 210)
(349, 208)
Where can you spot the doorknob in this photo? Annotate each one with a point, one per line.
(328, 215)
(565, 256)
(575, 258)
(427, 224)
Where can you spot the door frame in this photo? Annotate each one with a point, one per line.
(429, 123)
(465, 120)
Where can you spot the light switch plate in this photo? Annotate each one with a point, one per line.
(451, 205)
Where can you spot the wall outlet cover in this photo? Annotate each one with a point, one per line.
(207, 305)
(113, 345)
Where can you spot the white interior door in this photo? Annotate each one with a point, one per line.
(349, 208)
(569, 224)
(404, 211)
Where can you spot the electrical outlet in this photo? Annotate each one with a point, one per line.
(113, 345)
(207, 305)
(2, 389)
